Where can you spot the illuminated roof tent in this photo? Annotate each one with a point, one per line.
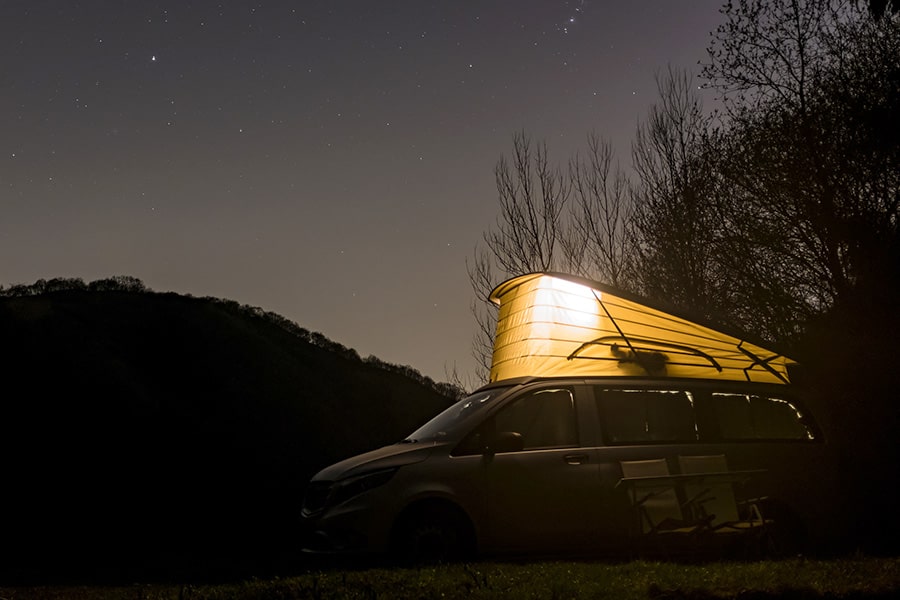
(551, 325)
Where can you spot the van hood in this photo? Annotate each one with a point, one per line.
(395, 455)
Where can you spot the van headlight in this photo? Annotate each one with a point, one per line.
(348, 488)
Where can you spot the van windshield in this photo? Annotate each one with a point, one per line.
(447, 421)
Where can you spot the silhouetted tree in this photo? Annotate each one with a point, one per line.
(64, 284)
(542, 228)
(809, 164)
(768, 53)
(676, 230)
(532, 194)
(118, 283)
(883, 8)
(598, 239)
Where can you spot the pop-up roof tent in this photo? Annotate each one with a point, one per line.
(553, 325)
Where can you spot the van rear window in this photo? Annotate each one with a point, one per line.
(646, 416)
(753, 417)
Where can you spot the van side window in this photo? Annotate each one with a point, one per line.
(639, 416)
(544, 419)
(752, 417)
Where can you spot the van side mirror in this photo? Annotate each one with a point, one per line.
(507, 441)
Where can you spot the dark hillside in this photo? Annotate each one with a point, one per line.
(142, 428)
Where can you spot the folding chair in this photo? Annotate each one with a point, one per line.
(657, 503)
(716, 500)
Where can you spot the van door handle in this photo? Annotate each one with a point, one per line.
(575, 459)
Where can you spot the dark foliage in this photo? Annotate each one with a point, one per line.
(143, 429)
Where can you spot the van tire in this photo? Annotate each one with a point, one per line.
(432, 533)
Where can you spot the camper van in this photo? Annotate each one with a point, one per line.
(607, 424)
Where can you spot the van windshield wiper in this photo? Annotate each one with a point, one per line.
(409, 441)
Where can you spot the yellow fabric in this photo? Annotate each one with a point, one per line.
(557, 325)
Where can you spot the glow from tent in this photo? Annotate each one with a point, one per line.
(546, 321)
(568, 303)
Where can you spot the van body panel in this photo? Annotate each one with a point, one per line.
(541, 500)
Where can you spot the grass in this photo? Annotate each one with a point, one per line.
(851, 578)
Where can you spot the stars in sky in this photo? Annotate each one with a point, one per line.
(572, 18)
(369, 126)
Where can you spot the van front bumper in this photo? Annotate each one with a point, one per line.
(322, 541)
(348, 529)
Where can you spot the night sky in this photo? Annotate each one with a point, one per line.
(328, 161)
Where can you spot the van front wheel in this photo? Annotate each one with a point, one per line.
(432, 533)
